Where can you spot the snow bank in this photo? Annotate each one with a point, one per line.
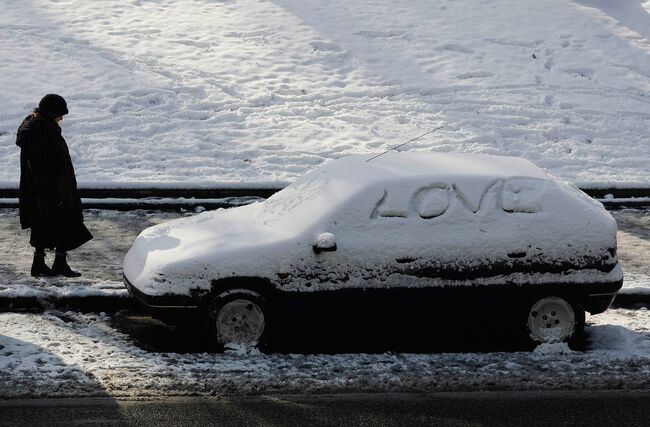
(263, 92)
(72, 354)
(52, 289)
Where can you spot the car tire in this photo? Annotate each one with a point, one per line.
(239, 318)
(554, 319)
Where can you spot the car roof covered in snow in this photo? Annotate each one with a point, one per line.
(443, 166)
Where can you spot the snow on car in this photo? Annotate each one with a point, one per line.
(427, 236)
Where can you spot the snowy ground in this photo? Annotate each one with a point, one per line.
(100, 260)
(263, 91)
(66, 353)
(634, 249)
(71, 354)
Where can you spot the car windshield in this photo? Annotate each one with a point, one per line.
(305, 202)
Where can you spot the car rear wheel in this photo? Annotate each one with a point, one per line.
(239, 318)
(553, 319)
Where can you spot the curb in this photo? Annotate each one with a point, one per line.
(164, 192)
(87, 304)
(631, 300)
(178, 198)
(218, 192)
(159, 198)
(617, 193)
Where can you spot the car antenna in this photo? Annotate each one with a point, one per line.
(401, 145)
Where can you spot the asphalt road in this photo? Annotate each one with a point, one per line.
(604, 408)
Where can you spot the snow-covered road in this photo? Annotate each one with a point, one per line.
(72, 354)
(64, 354)
(634, 249)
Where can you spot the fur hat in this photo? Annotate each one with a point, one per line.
(52, 105)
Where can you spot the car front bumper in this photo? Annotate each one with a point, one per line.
(170, 308)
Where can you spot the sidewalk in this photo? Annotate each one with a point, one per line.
(100, 288)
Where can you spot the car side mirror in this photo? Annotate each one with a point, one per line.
(325, 242)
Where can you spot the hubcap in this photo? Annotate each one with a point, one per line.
(240, 322)
(551, 320)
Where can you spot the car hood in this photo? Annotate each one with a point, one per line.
(185, 250)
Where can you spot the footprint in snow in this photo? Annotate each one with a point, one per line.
(457, 48)
(587, 73)
(325, 46)
(474, 75)
(549, 63)
(380, 34)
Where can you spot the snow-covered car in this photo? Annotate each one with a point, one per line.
(424, 236)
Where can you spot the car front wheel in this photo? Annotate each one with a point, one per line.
(239, 318)
(554, 319)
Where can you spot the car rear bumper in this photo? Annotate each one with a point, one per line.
(599, 302)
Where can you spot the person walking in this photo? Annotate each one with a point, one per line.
(48, 201)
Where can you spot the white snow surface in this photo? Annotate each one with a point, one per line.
(71, 354)
(438, 210)
(263, 91)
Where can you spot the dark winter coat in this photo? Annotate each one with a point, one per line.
(49, 203)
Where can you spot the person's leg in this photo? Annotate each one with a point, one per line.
(61, 266)
(38, 264)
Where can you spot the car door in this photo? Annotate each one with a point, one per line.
(376, 242)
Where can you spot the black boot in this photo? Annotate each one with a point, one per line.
(61, 267)
(38, 265)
